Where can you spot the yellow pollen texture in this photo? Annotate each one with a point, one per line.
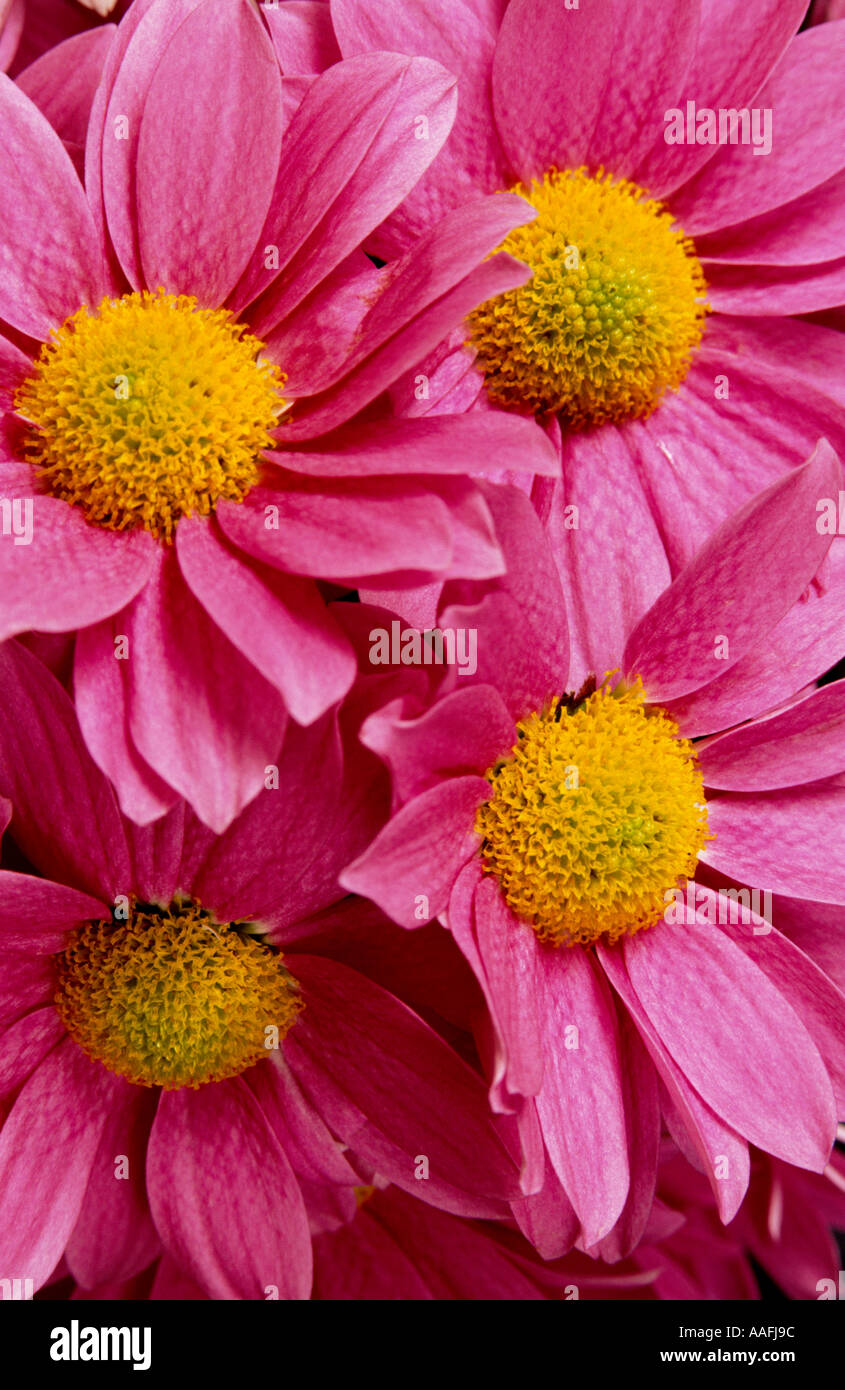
(172, 998)
(612, 314)
(596, 812)
(150, 409)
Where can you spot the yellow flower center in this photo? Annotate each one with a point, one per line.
(612, 314)
(596, 812)
(149, 410)
(173, 998)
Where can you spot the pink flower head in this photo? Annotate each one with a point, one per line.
(677, 154)
(588, 848)
(194, 367)
(171, 1016)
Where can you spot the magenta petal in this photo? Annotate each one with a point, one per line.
(744, 579)
(24, 1045)
(349, 155)
(582, 1090)
(393, 1090)
(100, 687)
(790, 842)
(71, 574)
(465, 731)
(776, 289)
(302, 35)
(410, 867)
(345, 528)
(803, 743)
(114, 1237)
(66, 819)
(194, 146)
(722, 1020)
(35, 914)
(589, 85)
(63, 81)
(47, 1146)
(804, 97)
(721, 1152)
(51, 262)
(471, 443)
(224, 1196)
(188, 723)
(278, 622)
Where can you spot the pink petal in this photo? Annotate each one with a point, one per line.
(349, 156)
(24, 1045)
(51, 261)
(410, 867)
(344, 528)
(801, 744)
(188, 723)
(66, 817)
(582, 1090)
(278, 622)
(790, 842)
(71, 574)
(775, 289)
(802, 232)
(101, 690)
(684, 976)
(642, 1123)
(47, 1148)
(590, 85)
(192, 152)
(224, 1197)
(465, 731)
(808, 129)
(63, 81)
(114, 1237)
(35, 914)
(435, 444)
(472, 159)
(733, 589)
(302, 35)
(723, 1155)
(392, 1089)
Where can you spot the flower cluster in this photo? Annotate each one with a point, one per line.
(422, 583)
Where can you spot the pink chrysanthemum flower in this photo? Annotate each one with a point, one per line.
(580, 844)
(655, 334)
(177, 1068)
(195, 449)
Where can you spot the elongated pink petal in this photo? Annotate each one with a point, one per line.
(801, 744)
(100, 688)
(721, 1018)
(393, 1090)
(47, 1147)
(803, 96)
(192, 152)
(720, 1151)
(343, 528)
(466, 731)
(434, 444)
(302, 35)
(25, 1044)
(582, 1090)
(732, 592)
(349, 155)
(65, 813)
(63, 81)
(224, 1197)
(410, 867)
(279, 622)
(790, 289)
(50, 262)
(70, 573)
(642, 1124)
(190, 725)
(114, 1237)
(788, 842)
(36, 914)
